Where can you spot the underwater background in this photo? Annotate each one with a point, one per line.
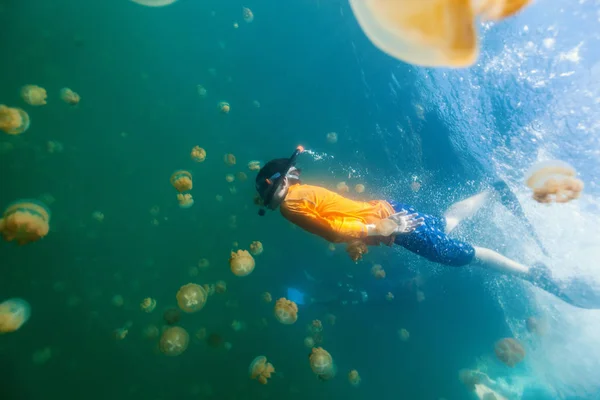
(533, 95)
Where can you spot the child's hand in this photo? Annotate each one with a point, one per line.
(406, 223)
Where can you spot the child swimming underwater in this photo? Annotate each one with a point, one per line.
(338, 219)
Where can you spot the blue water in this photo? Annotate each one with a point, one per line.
(313, 71)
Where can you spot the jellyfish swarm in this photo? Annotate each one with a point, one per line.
(256, 248)
(247, 14)
(198, 154)
(322, 364)
(191, 298)
(286, 311)
(13, 121)
(354, 378)
(432, 33)
(356, 249)
(34, 95)
(554, 181)
(181, 181)
(241, 263)
(154, 3)
(260, 369)
(69, 96)
(25, 221)
(148, 305)
(13, 314)
(509, 351)
(185, 200)
(174, 341)
(224, 107)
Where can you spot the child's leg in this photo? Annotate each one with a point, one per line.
(465, 209)
(489, 259)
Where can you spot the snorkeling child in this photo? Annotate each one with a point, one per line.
(338, 219)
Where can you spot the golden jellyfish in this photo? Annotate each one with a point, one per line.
(331, 137)
(236, 25)
(286, 311)
(554, 181)
(224, 107)
(191, 298)
(229, 178)
(241, 176)
(254, 165)
(154, 3)
(342, 187)
(260, 369)
(173, 341)
(377, 271)
(181, 181)
(25, 221)
(509, 351)
(267, 298)
(354, 377)
(185, 200)
(389, 296)
(34, 95)
(198, 154)
(69, 96)
(229, 159)
(316, 326)
(359, 188)
(148, 305)
(356, 249)
(241, 263)
(438, 33)
(120, 333)
(220, 287)
(13, 314)
(309, 342)
(403, 334)
(13, 121)
(247, 14)
(322, 364)
(256, 248)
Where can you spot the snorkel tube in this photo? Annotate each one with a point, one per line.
(276, 180)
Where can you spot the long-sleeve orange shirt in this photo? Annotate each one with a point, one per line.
(331, 216)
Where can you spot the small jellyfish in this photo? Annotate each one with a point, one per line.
(377, 271)
(185, 200)
(359, 188)
(322, 364)
(509, 351)
(173, 341)
(247, 14)
(229, 159)
(151, 332)
(241, 176)
(256, 248)
(537, 326)
(420, 296)
(203, 264)
(201, 333)
(220, 287)
(13, 121)
(389, 296)
(236, 25)
(98, 216)
(554, 181)
(154, 3)
(415, 184)
(202, 92)
(224, 107)
(238, 325)
(342, 187)
(316, 326)
(219, 198)
(330, 318)
(13, 314)
(354, 378)
(331, 247)
(286, 311)
(429, 33)
(54, 146)
(148, 305)
(117, 300)
(229, 178)
(69, 96)
(267, 298)
(172, 316)
(181, 181)
(25, 221)
(331, 137)
(215, 340)
(356, 249)
(309, 342)
(34, 95)
(198, 154)
(254, 165)
(403, 334)
(241, 263)
(256, 103)
(191, 298)
(260, 369)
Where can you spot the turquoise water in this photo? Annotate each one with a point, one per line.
(313, 71)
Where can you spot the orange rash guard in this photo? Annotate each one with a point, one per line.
(331, 216)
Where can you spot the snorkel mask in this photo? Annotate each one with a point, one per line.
(275, 181)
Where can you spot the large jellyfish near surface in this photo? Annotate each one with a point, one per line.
(260, 369)
(509, 351)
(191, 298)
(154, 3)
(13, 314)
(25, 221)
(432, 33)
(34, 95)
(182, 181)
(554, 181)
(13, 121)
(174, 341)
(322, 364)
(241, 263)
(286, 311)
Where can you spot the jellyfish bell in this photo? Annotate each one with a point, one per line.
(229, 159)
(172, 316)
(202, 92)
(13, 314)
(174, 341)
(256, 248)
(247, 14)
(554, 180)
(34, 95)
(220, 287)
(356, 249)
(403, 334)
(359, 188)
(342, 187)
(25, 221)
(241, 263)
(322, 363)
(13, 121)
(354, 378)
(260, 369)
(198, 154)
(148, 305)
(286, 311)
(377, 271)
(181, 181)
(254, 165)
(331, 137)
(215, 340)
(69, 96)
(185, 200)
(224, 107)
(154, 3)
(309, 342)
(429, 33)
(267, 298)
(509, 351)
(191, 298)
